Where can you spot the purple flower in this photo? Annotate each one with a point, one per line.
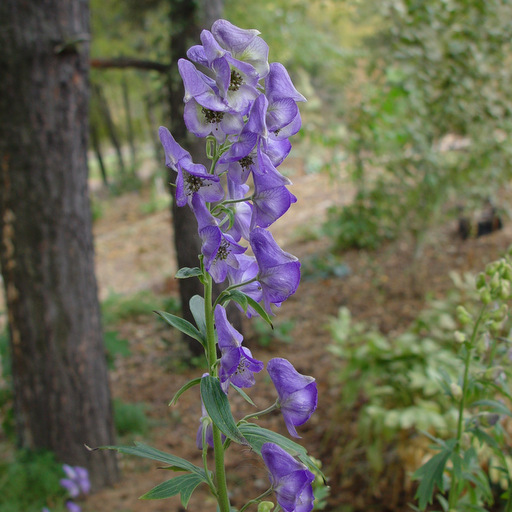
(77, 481)
(242, 212)
(243, 45)
(279, 271)
(218, 248)
(72, 506)
(271, 198)
(298, 395)
(192, 178)
(290, 480)
(236, 363)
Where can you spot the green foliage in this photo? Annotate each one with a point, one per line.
(130, 419)
(31, 482)
(281, 332)
(430, 119)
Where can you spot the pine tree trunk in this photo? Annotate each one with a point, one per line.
(61, 391)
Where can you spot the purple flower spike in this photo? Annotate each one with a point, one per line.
(236, 364)
(279, 273)
(77, 481)
(298, 395)
(291, 481)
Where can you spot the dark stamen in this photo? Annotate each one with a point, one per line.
(236, 81)
(212, 116)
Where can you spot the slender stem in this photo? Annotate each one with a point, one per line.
(452, 497)
(233, 287)
(273, 407)
(205, 462)
(256, 500)
(220, 470)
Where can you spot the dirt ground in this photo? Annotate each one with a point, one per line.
(135, 252)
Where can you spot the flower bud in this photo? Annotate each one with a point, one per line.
(265, 506)
(463, 315)
(456, 390)
(460, 337)
(504, 290)
(489, 419)
(491, 268)
(480, 281)
(485, 296)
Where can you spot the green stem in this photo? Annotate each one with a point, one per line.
(218, 449)
(452, 497)
(256, 500)
(273, 407)
(233, 287)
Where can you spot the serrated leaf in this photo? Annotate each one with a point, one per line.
(184, 485)
(258, 436)
(431, 475)
(188, 385)
(186, 272)
(182, 325)
(196, 305)
(217, 405)
(147, 452)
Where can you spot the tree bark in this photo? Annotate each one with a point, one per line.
(61, 391)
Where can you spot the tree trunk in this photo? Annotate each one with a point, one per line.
(61, 392)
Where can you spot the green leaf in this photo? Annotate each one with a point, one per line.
(431, 475)
(196, 305)
(217, 405)
(143, 450)
(258, 436)
(245, 301)
(245, 396)
(494, 405)
(188, 385)
(182, 325)
(186, 272)
(184, 484)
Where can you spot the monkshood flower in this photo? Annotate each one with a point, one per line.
(204, 422)
(235, 80)
(236, 363)
(271, 198)
(279, 271)
(73, 507)
(245, 273)
(193, 179)
(242, 212)
(77, 481)
(218, 248)
(244, 45)
(290, 479)
(298, 394)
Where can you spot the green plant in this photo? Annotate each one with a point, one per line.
(481, 395)
(130, 419)
(30, 482)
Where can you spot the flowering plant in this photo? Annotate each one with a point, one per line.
(246, 109)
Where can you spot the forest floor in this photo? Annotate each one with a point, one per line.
(386, 288)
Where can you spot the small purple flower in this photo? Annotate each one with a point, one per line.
(243, 45)
(218, 248)
(77, 481)
(271, 198)
(298, 394)
(192, 178)
(72, 506)
(290, 480)
(236, 363)
(279, 271)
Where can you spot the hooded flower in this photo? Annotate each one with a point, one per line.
(290, 480)
(279, 271)
(298, 395)
(236, 363)
(218, 248)
(192, 178)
